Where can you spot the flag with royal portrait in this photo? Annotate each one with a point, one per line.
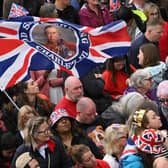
(23, 47)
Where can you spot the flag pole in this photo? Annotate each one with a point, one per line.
(11, 100)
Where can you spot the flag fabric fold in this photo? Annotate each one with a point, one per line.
(22, 42)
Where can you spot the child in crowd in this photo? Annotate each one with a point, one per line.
(84, 158)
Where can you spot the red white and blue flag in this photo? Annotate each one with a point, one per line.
(114, 5)
(22, 49)
(17, 10)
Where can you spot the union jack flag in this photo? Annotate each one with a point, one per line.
(150, 141)
(17, 10)
(114, 5)
(21, 52)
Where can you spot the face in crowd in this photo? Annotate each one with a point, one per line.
(164, 100)
(147, 83)
(119, 65)
(154, 14)
(154, 121)
(162, 93)
(32, 87)
(63, 125)
(74, 90)
(8, 153)
(89, 114)
(89, 160)
(43, 133)
(157, 33)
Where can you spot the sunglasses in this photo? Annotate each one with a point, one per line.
(153, 14)
(163, 100)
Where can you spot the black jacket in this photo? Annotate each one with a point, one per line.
(163, 119)
(69, 14)
(58, 158)
(93, 88)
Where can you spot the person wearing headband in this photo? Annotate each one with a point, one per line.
(144, 117)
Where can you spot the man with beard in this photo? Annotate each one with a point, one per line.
(73, 92)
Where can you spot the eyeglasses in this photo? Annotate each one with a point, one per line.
(153, 14)
(163, 100)
(149, 79)
(45, 131)
(126, 136)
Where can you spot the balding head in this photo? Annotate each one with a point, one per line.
(73, 88)
(86, 110)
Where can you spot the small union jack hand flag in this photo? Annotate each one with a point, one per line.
(17, 10)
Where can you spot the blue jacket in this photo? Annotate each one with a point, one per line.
(131, 161)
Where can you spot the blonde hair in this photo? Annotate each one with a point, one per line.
(26, 109)
(31, 130)
(112, 134)
(149, 8)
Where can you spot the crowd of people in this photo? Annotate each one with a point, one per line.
(116, 116)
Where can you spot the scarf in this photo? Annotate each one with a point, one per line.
(50, 144)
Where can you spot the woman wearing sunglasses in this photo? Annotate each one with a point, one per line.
(162, 93)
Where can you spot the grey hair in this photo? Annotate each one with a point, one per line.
(162, 89)
(31, 130)
(47, 10)
(137, 78)
(129, 102)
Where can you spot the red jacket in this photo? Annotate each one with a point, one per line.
(110, 88)
(68, 105)
(100, 164)
(163, 43)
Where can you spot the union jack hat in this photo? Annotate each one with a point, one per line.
(150, 141)
(57, 115)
